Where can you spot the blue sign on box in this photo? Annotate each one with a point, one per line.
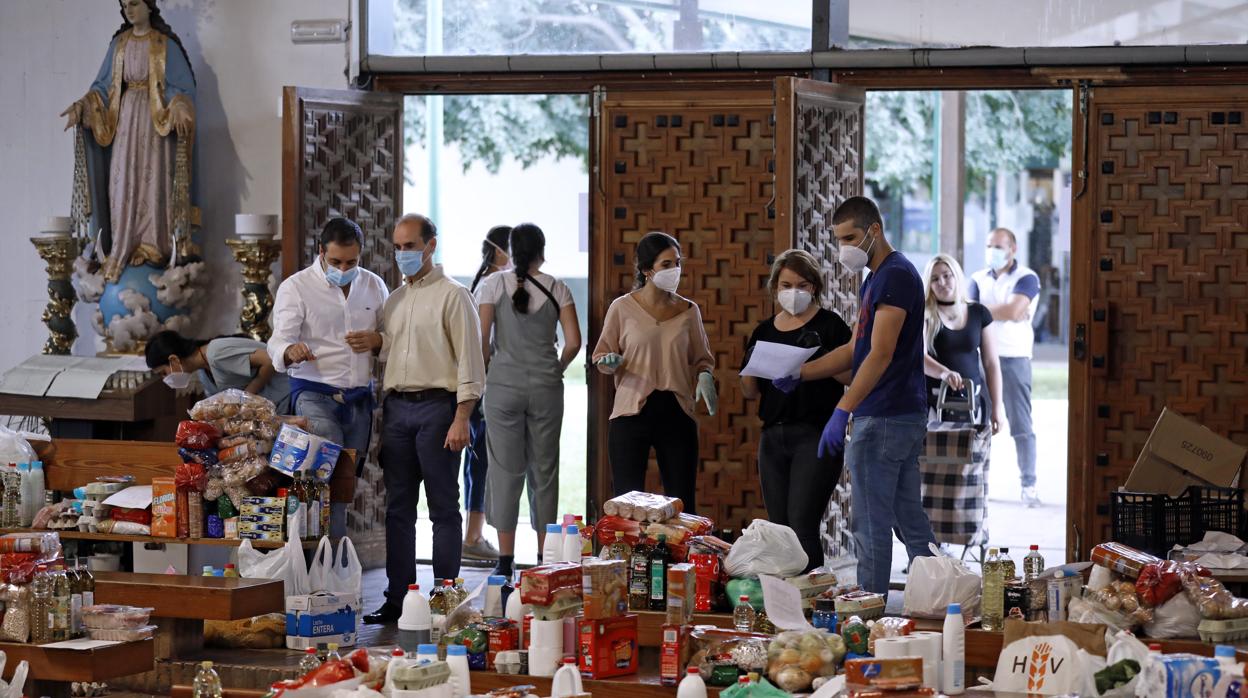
(296, 451)
(320, 618)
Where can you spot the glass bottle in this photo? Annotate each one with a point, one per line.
(660, 558)
(743, 615)
(75, 599)
(207, 683)
(61, 614)
(88, 584)
(639, 578)
(620, 549)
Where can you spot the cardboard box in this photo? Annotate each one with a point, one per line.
(320, 618)
(504, 636)
(605, 588)
(608, 646)
(542, 585)
(673, 654)
(1180, 452)
(681, 587)
(164, 508)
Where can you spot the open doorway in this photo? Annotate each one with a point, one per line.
(948, 169)
(476, 161)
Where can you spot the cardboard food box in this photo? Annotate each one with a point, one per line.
(894, 674)
(608, 646)
(164, 508)
(605, 588)
(1180, 452)
(320, 618)
(504, 636)
(673, 654)
(542, 585)
(682, 585)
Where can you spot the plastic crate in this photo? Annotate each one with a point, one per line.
(1155, 523)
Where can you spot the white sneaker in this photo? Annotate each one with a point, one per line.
(1030, 498)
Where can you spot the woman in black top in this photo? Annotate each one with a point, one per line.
(796, 483)
(958, 340)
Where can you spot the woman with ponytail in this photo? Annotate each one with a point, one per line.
(494, 258)
(520, 313)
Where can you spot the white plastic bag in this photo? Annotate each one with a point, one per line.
(285, 563)
(937, 581)
(1124, 645)
(1175, 618)
(766, 548)
(338, 572)
(14, 448)
(1046, 665)
(16, 685)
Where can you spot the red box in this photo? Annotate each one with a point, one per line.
(674, 654)
(707, 567)
(504, 635)
(525, 630)
(540, 586)
(608, 646)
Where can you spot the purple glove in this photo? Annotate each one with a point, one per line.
(787, 384)
(833, 440)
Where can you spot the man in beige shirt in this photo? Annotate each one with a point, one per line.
(434, 373)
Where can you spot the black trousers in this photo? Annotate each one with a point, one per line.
(663, 426)
(797, 484)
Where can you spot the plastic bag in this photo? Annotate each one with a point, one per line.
(233, 404)
(285, 563)
(1046, 665)
(766, 548)
(14, 448)
(196, 435)
(937, 581)
(1175, 618)
(338, 572)
(643, 506)
(1211, 597)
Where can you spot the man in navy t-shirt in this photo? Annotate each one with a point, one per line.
(886, 397)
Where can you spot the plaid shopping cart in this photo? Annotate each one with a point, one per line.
(954, 468)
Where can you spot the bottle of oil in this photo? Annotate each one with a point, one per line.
(61, 613)
(437, 612)
(1007, 565)
(993, 603)
(75, 600)
(639, 578)
(660, 558)
(1033, 564)
(88, 584)
(41, 609)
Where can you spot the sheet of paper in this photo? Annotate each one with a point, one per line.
(770, 360)
(81, 644)
(137, 497)
(34, 375)
(783, 603)
(85, 379)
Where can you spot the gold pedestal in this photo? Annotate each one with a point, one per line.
(59, 253)
(257, 257)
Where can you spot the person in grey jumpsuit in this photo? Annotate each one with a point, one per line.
(519, 311)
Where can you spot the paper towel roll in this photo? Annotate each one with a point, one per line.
(927, 644)
(546, 634)
(893, 647)
(543, 661)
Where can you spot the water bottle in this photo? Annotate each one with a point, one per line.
(1033, 564)
(743, 615)
(207, 683)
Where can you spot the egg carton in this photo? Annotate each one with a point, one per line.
(1219, 631)
(417, 677)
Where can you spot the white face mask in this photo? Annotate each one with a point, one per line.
(997, 258)
(178, 380)
(794, 300)
(854, 258)
(667, 279)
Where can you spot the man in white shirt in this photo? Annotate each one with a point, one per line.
(322, 319)
(1011, 292)
(434, 374)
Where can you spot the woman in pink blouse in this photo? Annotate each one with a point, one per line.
(654, 344)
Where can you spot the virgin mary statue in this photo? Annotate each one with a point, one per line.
(140, 112)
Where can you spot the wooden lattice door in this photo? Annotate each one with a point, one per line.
(819, 151)
(1160, 289)
(342, 155)
(697, 165)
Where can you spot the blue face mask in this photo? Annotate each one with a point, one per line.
(409, 261)
(339, 277)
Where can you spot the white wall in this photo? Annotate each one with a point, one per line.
(241, 52)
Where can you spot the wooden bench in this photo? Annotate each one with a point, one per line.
(52, 669)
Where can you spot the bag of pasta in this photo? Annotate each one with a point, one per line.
(233, 404)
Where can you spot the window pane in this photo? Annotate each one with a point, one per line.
(511, 27)
(1040, 23)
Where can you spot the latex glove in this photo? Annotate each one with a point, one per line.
(610, 362)
(833, 440)
(787, 384)
(706, 392)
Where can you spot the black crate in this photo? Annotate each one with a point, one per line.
(1155, 523)
(1152, 523)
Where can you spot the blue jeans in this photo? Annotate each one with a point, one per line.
(353, 432)
(476, 462)
(1016, 389)
(883, 458)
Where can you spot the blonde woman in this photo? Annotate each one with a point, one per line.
(957, 339)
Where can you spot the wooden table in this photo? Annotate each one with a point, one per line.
(52, 670)
(151, 412)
